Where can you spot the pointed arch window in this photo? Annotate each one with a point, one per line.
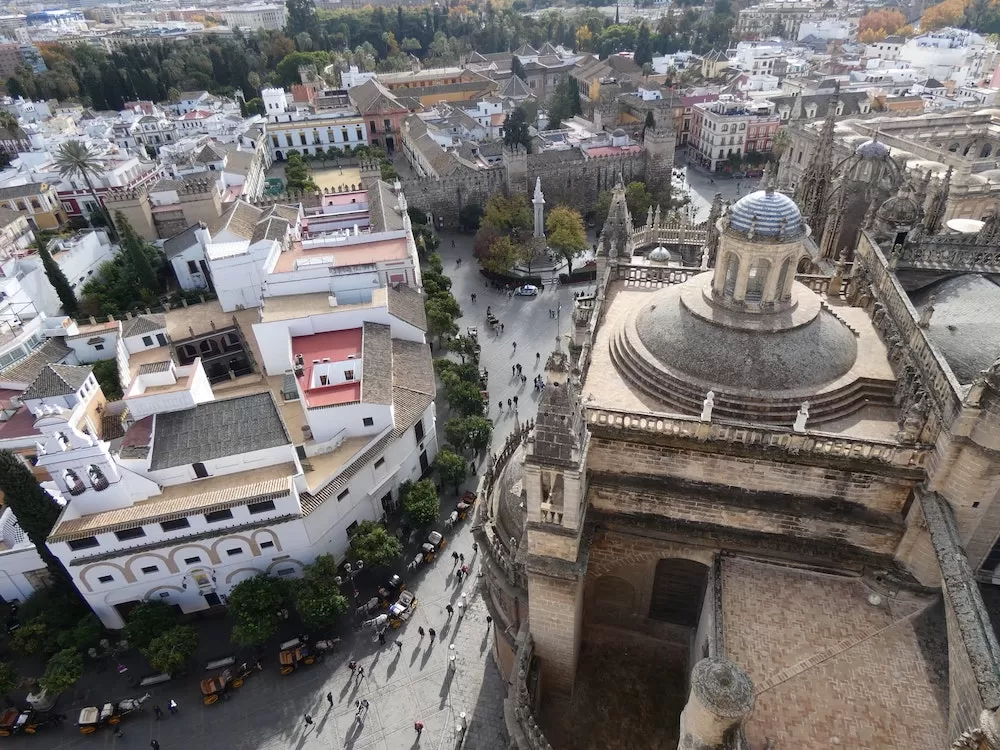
(779, 291)
(74, 484)
(97, 479)
(732, 272)
(756, 279)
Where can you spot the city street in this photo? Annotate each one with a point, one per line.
(702, 187)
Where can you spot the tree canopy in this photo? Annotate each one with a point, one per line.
(420, 501)
(62, 671)
(515, 129)
(566, 233)
(451, 468)
(58, 280)
(172, 650)
(373, 544)
(317, 595)
(148, 620)
(255, 604)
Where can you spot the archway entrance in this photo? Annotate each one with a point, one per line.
(678, 592)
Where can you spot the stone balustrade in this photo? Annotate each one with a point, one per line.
(669, 233)
(949, 252)
(908, 344)
(810, 442)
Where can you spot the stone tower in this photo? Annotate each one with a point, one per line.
(133, 203)
(555, 488)
(515, 161)
(660, 142)
(370, 172)
(616, 231)
(934, 219)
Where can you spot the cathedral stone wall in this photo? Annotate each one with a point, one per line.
(556, 606)
(880, 491)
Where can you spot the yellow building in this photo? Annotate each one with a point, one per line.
(37, 201)
(436, 85)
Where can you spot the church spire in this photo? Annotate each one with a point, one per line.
(815, 186)
(939, 204)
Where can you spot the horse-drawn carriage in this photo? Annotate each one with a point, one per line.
(93, 718)
(391, 588)
(230, 678)
(15, 721)
(294, 653)
(403, 609)
(428, 550)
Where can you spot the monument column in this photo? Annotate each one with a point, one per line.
(721, 699)
(539, 203)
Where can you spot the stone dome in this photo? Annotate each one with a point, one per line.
(619, 133)
(872, 149)
(659, 254)
(698, 345)
(900, 210)
(511, 511)
(769, 214)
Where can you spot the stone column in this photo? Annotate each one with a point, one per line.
(539, 203)
(721, 698)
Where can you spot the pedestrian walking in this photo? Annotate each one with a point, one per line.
(172, 706)
(475, 546)
(399, 646)
(432, 633)
(465, 570)
(524, 379)
(381, 637)
(453, 245)
(488, 308)
(354, 667)
(119, 732)
(513, 370)
(519, 369)
(501, 331)
(473, 295)
(361, 673)
(329, 699)
(510, 403)
(461, 557)
(489, 621)
(418, 727)
(154, 744)
(421, 631)
(458, 576)
(309, 720)
(357, 709)
(449, 609)
(515, 402)
(538, 357)
(454, 556)
(515, 346)
(157, 712)
(500, 404)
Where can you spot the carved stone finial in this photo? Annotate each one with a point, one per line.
(926, 312)
(706, 407)
(801, 417)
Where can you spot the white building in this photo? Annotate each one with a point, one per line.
(826, 28)
(306, 129)
(255, 16)
(353, 77)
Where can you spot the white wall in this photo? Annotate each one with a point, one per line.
(185, 278)
(89, 353)
(14, 564)
(347, 420)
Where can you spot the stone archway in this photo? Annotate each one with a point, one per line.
(678, 591)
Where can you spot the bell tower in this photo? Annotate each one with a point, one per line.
(555, 488)
(81, 465)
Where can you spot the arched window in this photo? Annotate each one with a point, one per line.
(208, 346)
(74, 484)
(968, 149)
(732, 271)
(97, 479)
(953, 147)
(756, 279)
(779, 290)
(987, 150)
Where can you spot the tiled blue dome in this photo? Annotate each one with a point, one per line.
(872, 150)
(764, 211)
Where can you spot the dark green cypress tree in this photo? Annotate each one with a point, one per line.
(34, 508)
(135, 250)
(58, 280)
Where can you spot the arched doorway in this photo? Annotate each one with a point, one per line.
(678, 592)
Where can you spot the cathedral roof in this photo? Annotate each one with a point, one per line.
(769, 213)
(872, 149)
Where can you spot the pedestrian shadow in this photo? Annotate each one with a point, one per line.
(456, 592)
(486, 642)
(427, 656)
(391, 669)
(443, 632)
(354, 733)
(446, 687)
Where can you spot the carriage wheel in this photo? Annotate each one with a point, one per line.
(287, 669)
(237, 683)
(30, 729)
(210, 699)
(309, 659)
(115, 720)
(4, 733)
(88, 730)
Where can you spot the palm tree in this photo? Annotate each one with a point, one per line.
(76, 159)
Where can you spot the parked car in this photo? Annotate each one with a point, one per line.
(528, 290)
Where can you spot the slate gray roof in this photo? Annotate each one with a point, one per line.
(287, 212)
(210, 153)
(22, 191)
(241, 220)
(412, 367)
(376, 352)
(514, 88)
(180, 242)
(383, 208)
(216, 429)
(271, 228)
(961, 326)
(554, 437)
(57, 380)
(143, 324)
(407, 304)
(26, 370)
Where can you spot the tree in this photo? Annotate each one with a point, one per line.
(475, 432)
(169, 652)
(643, 48)
(650, 121)
(883, 21)
(84, 635)
(566, 233)
(317, 595)
(106, 372)
(33, 638)
(470, 216)
(780, 142)
(35, 510)
(584, 39)
(451, 468)
(148, 620)
(301, 17)
(57, 279)
(947, 13)
(464, 398)
(62, 671)
(515, 129)
(374, 545)
(255, 604)
(137, 253)
(440, 321)
(465, 347)
(502, 255)
(510, 216)
(420, 501)
(76, 159)
(517, 68)
(8, 678)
